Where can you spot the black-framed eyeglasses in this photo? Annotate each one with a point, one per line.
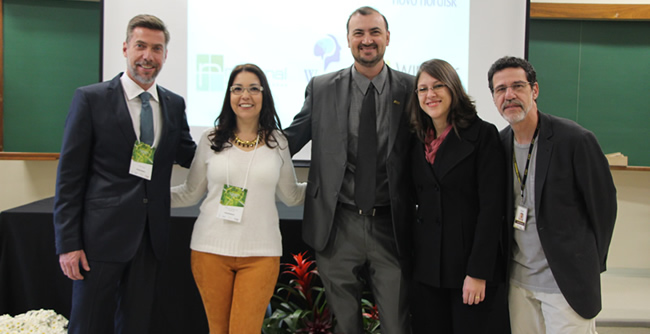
(239, 90)
(517, 87)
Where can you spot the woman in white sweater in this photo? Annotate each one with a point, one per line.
(243, 163)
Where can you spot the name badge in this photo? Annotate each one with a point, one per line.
(231, 206)
(520, 218)
(142, 160)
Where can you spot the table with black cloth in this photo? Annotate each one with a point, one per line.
(31, 279)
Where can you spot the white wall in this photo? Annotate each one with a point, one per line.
(24, 182)
(630, 246)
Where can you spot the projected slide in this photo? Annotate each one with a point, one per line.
(292, 41)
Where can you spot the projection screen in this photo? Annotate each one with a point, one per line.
(294, 40)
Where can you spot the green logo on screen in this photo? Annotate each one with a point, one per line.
(209, 73)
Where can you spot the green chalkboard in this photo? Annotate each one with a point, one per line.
(598, 74)
(50, 48)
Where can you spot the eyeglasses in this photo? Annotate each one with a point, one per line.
(517, 87)
(436, 89)
(239, 90)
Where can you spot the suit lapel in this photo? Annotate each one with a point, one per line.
(544, 151)
(118, 101)
(425, 165)
(398, 92)
(507, 141)
(164, 117)
(342, 102)
(455, 150)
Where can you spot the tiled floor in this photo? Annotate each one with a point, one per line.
(626, 299)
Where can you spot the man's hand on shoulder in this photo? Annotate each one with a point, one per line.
(70, 264)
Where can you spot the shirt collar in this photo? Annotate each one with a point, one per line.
(363, 82)
(133, 90)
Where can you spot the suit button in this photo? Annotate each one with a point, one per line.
(145, 201)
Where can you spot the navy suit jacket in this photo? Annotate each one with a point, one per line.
(575, 208)
(324, 120)
(99, 207)
(460, 214)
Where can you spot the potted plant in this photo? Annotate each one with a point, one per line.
(301, 306)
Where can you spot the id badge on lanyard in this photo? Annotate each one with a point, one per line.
(521, 215)
(231, 206)
(142, 160)
(233, 198)
(520, 218)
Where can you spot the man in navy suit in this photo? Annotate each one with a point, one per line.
(111, 210)
(359, 234)
(561, 207)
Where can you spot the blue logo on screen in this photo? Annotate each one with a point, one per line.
(210, 76)
(328, 49)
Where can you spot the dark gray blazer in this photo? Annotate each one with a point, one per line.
(324, 120)
(99, 207)
(575, 207)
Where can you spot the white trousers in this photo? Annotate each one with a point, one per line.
(533, 312)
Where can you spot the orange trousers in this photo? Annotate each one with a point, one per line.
(235, 290)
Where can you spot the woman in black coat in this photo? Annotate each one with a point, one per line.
(458, 170)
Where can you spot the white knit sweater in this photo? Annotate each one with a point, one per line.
(271, 173)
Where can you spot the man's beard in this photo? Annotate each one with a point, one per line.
(133, 69)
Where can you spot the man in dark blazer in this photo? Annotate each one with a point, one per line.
(112, 222)
(562, 207)
(355, 245)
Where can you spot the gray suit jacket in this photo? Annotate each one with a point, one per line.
(324, 120)
(575, 207)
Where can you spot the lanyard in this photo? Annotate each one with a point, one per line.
(249, 164)
(522, 182)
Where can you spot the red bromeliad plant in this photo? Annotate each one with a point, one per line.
(370, 317)
(300, 306)
(303, 275)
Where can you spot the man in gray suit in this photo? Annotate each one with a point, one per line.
(358, 206)
(561, 204)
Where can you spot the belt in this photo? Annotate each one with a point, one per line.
(376, 211)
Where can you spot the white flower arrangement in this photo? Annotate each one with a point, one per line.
(36, 322)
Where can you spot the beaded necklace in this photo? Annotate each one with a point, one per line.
(246, 143)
